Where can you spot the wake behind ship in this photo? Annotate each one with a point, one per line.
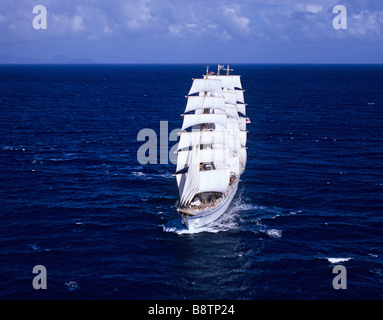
(211, 154)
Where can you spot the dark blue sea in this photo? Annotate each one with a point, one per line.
(75, 199)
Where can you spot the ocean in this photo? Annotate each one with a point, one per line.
(76, 200)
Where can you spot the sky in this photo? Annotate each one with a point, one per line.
(192, 31)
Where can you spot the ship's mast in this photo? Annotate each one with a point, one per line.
(227, 70)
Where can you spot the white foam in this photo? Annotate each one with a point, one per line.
(183, 230)
(71, 285)
(233, 216)
(246, 207)
(220, 225)
(34, 246)
(138, 173)
(165, 175)
(228, 221)
(14, 148)
(148, 176)
(337, 260)
(274, 233)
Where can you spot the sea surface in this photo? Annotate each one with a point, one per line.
(75, 199)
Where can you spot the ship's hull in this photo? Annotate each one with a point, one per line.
(204, 217)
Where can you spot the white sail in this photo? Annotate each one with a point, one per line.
(243, 138)
(239, 96)
(242, 155)
(234, 144)
(190, 187)
(234, 165)
(242, 123)
(193, 119)
(232, 111)
(233, 126)
(216, 155)
(230, 97)
(241, 108)
(204, 102)
(229, 111)
(208, 137)
(183, 159)
(233, 96)
(219, 154)
(214, 180)
(206, 85)
(228, 82)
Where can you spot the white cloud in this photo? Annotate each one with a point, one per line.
(236, 20)
(200, 22)
(62, 23)
(107, 30)
(312, 8)
(78, 23)
(137, 14)
(175, 29)
(366, 24)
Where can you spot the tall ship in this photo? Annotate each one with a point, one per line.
(211, 153)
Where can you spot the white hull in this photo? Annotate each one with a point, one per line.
(204, 217)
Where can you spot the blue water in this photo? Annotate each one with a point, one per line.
(75, 199)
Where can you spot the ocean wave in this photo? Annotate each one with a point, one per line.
(138, 173)
(274, 233)
(222, 224)
(71, 285)
(337, 260)
(149, 176)
(180, 230)
(376, 271)
(13, 148)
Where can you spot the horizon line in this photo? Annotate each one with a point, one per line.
(188, 63)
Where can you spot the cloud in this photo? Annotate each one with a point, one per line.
(366, 24)
(66, 23)
(182, 24)
(246, 19)
(237, 21)
(137, 14)
(312, 8)
(299, 22)
(175, 29)
(107, 30)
